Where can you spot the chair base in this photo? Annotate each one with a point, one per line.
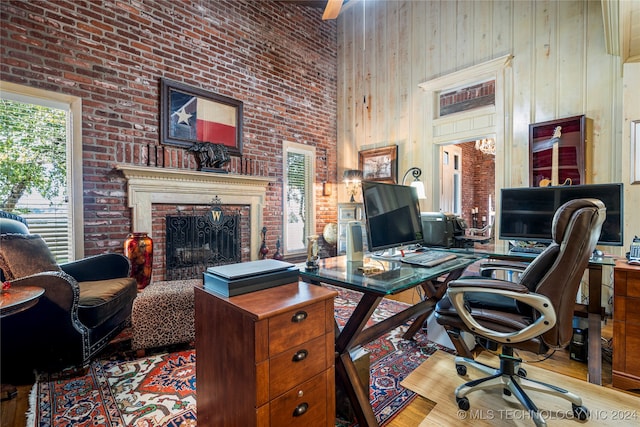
(511, 379)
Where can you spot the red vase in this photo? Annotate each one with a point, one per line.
(139, 249)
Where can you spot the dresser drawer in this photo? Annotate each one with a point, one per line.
(633, 284)
(305, 405)
(296, 365)
(295, 327)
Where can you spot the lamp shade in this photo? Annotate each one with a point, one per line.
(419, 186)
(352, 175)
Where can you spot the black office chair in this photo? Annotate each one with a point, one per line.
(533, 314)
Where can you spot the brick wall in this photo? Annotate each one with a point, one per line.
(278, 59)
(478, 176)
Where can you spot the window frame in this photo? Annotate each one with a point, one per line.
(310, 225)
(73, 105)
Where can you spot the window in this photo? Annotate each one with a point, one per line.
(48, 151)
(299, 213)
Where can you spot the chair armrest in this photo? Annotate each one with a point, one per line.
(98, 267)
(511, 266)
(545, 321)
(479, 284)
(59, 288)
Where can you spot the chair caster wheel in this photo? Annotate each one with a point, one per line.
(522, 373)
(463, 403)
(461, 370)
(580, 412)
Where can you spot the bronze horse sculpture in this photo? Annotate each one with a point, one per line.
(210, 156)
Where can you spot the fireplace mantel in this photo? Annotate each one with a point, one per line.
(149, 185)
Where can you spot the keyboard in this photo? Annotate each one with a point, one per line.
(428, 258)
(528, 249)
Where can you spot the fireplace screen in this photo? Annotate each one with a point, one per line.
(195, 243)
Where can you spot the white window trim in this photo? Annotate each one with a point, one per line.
(310, 153)
(73, 105)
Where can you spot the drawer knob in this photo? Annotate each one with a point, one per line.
(299, 317)
(300, 355)
(300, 409)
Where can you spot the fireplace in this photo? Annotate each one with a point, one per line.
(195, 241)
(154, 193)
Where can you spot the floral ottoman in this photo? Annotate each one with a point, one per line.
(163, 314)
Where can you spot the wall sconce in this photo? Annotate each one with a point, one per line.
(352, 179)
(416, 183)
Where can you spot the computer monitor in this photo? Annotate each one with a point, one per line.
(392, 212)
(527, 213)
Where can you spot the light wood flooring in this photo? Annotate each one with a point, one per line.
(13, 411)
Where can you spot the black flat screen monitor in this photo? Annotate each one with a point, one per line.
(527, 213)
(393, 215)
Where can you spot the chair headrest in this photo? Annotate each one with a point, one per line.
(563, 215)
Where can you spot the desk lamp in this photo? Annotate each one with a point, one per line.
(416, 183)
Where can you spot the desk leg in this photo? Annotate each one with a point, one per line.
(433, 290)
(355, 390)
(594, 362)
(431, 293)
(346, 371)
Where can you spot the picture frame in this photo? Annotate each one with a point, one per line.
(190, 115)
(379, 164)
(635, 152)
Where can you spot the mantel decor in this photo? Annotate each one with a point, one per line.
(379, 164)
(190, 115)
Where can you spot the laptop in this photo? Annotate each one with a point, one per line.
(247, 269)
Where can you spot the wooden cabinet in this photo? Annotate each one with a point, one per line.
(348, 212)
(626, 326)
(266, 358)
(560, 152)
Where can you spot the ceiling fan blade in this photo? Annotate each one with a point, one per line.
(332, 9)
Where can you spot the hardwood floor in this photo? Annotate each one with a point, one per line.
(13, 411)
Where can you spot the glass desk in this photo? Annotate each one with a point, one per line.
(393, 277)
(593, 311)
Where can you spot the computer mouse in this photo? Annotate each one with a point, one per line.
(598, 253)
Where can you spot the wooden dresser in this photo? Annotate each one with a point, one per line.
(626, 326)
(266, 358)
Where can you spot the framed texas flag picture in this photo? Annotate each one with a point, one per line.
(189, 115)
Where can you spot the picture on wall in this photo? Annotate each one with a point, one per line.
(379, 164)
(190, 115)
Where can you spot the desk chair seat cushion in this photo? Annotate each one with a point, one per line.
(22, 255)
(503, 316)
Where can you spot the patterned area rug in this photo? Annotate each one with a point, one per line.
(160, 390)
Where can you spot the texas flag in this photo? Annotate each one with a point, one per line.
(202, 120)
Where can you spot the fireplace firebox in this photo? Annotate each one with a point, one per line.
(196, 242)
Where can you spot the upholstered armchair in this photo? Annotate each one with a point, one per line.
(533, 313)
(84, 305)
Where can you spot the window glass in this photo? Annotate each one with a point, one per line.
(299, 216)
(34, 170)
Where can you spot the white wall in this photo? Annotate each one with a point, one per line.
(560, 68)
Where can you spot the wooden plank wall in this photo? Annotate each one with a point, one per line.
(560, 69)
